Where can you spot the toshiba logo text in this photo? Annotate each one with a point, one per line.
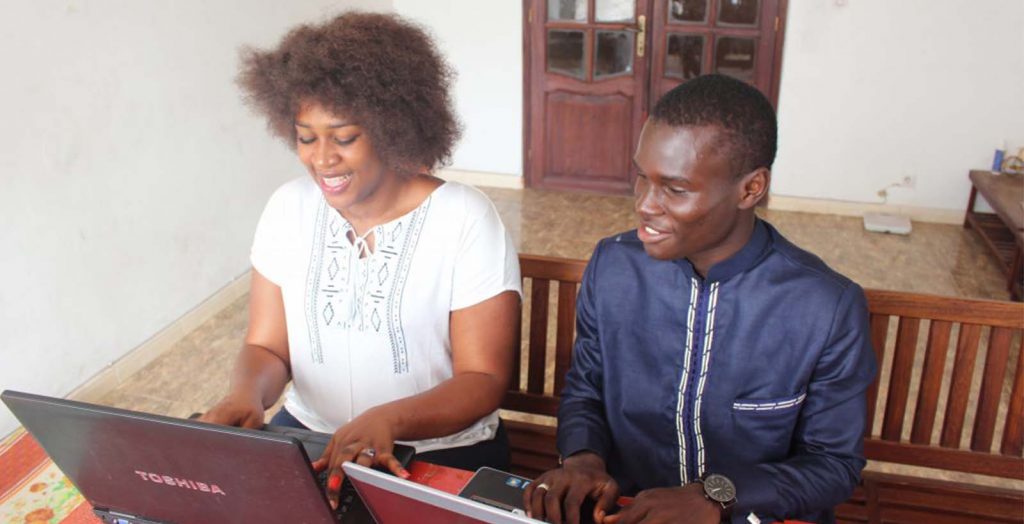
(168, 480)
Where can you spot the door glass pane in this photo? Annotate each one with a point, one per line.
(572, 10)
(614, 53)
(565, 52)
(614, 10)
(738, 12)
(734, 56)
(684, 56)
(688, 10)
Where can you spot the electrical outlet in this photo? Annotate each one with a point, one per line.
(909, 181)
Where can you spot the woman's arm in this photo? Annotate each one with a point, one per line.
(483, 338)
(261, 369)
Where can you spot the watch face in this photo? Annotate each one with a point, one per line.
(719, 488)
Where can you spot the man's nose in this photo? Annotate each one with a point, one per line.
(646, 201)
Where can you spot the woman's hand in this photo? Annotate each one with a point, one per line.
(236, 410)
(261, 369)
(368, 440)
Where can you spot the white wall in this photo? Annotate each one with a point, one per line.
(482, 39)
(131, 176)
(876, 90)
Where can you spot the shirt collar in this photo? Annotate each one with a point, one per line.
(755, 249)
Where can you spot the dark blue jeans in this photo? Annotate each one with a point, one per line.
(492, 453)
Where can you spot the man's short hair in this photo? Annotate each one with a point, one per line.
(744, 114)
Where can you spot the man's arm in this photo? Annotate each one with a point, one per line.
(583, 438)
(827, 455)
(582, 425)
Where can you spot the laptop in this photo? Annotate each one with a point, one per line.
(149, 469)
(392, 500)
(504, 490)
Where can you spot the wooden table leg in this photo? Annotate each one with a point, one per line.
(1013, 281)
(970, 206)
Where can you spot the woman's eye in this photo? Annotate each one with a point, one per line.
(346, 141)
(306, 141)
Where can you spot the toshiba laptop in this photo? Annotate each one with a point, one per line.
(392, 500)
(142, 468)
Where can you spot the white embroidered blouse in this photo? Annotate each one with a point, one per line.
(363, 331)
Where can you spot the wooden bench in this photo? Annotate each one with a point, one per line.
(940, 401)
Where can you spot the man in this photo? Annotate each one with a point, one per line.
(719, 371)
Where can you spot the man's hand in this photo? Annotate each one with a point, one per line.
(367, 440)
(236, 410)
(581, 476)
(669, 505)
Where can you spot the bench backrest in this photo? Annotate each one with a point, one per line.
(933, 360)
(948, 400)
(542, 276)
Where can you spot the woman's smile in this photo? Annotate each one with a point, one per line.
(334, 184)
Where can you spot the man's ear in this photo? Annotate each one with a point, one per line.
(754, 187)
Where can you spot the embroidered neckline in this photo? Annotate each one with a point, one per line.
(346, 226)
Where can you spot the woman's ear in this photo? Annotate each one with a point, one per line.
(754, 187)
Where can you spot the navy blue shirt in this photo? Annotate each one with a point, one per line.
(756, 372)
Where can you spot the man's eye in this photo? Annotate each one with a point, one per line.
(676, 190)
(306, 141)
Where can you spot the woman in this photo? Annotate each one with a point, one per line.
(389, 297)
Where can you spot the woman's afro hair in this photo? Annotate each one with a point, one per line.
(379, 70)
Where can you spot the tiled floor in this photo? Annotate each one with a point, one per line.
(937, 259)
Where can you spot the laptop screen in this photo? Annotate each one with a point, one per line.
(394, 500)
(167, 469)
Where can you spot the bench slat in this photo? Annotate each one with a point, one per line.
(565, 332)
(1013, 431)
(879, 334)
(941, 458)
(531, 403)
(517, 362)
(899, 378)
(538, 335)
(552, 268)
(960, 385)
(952, 309)
(991, 389)
(931, 382)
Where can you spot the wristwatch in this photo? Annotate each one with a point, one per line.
(719, 489)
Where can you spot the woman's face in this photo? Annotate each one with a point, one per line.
(338, 154)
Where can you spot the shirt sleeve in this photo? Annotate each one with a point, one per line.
(486, 263)
(269, 245)
(582, 425)
(828, 455)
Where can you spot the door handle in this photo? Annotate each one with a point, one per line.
(641, 37)
(641, 34)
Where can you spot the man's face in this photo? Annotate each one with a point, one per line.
(688, 199)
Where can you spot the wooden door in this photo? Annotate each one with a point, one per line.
(586, 83)
(739, 38)
(587, 96)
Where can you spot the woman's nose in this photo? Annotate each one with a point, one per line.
(325, 156)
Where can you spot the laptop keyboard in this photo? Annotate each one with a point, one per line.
(350, 506)
(346, 496)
